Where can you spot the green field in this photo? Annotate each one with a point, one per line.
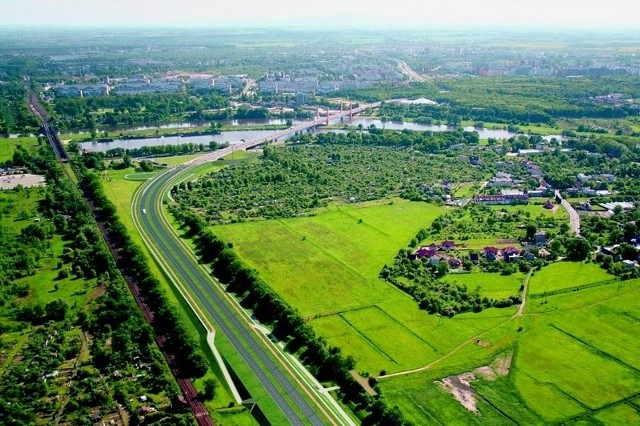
(574, 353)
(8, 146)
(535, 210)
(306, 260)
(564, 275)
(465, 190)
(575, 359)
(492, 285)
(18, 209)
(178, 159)
(341, 249)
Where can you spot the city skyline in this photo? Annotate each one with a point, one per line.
(326, 13)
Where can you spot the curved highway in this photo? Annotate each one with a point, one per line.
(279, 384)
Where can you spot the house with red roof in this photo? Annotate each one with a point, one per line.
(510, 254)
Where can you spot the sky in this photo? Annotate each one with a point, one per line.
(319, 13)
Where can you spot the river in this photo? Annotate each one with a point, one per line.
(246, 135)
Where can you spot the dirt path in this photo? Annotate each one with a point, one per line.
(525, 291)
(363, 382)
(474, 339)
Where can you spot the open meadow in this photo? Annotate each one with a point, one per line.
(492, 285)
(327, 267)
(561, 276)
(574, 359)
(572, 354)
(8, 146)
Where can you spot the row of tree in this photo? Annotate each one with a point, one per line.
(324, 361)
(133, 263)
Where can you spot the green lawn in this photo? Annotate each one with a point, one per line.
(563, 275)
(492, 285)
(178, 159)
(535, 209)
(140, 176)
(465, 190)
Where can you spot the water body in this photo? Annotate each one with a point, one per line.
(246, 135)
(483, 133)
(243, 122)
(230, 137)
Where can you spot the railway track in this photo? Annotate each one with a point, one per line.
(198, 409)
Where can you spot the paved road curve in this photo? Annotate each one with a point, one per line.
(279, 385)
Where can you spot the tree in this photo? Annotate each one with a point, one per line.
(210, 386)
(56, 310)
(126, 161)
(531, 231)
(577, 248)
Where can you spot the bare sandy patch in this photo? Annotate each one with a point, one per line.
(502, 364)
(460, 386)
(25, 180)
(486, 372)
(461, 390)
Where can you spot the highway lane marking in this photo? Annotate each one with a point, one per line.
(247, 319)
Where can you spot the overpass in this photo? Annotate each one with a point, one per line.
(301, 128)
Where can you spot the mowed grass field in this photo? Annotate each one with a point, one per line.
(306, 259)
(327, 266)
(566, 275)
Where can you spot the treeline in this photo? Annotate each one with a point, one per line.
(325, 362)
(516, 100)
(160, 150)
(15, 117)
(127, 110)
(116, 110)
(428, 141)
(133, 263)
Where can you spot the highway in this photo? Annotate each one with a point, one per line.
(280, 385)
(297, 403)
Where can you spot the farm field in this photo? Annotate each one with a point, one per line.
(573, 354)
(564, 275)
(574, 360)
(330, 254)
(492, 285)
